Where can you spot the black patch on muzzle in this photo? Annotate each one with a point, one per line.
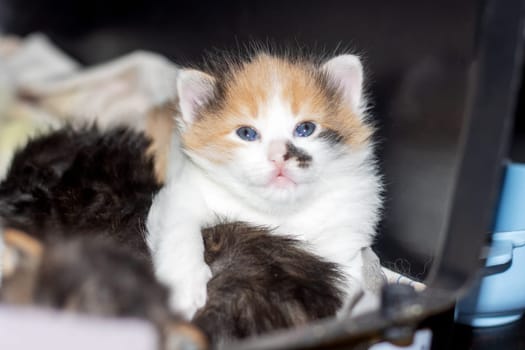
(303, 158)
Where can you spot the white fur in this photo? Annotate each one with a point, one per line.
(334, 207)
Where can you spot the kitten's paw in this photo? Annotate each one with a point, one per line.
(190, 292)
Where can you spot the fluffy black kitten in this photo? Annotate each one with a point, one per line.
(81, 182)
(86, 193)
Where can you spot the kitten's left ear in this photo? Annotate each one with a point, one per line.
(195, 89)
(346, 72)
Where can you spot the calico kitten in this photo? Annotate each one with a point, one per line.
(71, 190)
(275, 141)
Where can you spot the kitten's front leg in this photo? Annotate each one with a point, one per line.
(179, 263)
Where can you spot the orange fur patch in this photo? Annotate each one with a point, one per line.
(159, 128)
(248, 88)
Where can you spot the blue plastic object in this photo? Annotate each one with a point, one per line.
(512, 203)
(498, 297)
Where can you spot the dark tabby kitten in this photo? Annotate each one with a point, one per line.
(262, 282)
(85, 195)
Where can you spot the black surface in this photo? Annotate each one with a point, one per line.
(494, 86)
(453, 336)
(508, 337)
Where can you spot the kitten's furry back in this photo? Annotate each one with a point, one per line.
(266, 282)
(81, 181)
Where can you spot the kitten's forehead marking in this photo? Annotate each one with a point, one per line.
(255, 84)
(294, 91)
(267, 92)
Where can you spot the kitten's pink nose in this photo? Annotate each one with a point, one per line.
(276, 151)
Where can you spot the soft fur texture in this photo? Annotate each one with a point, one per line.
(262, 283)
(91, 275)
(81, 181)
(84, 193)
(322, 189)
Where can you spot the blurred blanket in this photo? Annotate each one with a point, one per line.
(41, 88)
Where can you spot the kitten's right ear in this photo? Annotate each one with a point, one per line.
(194, 89)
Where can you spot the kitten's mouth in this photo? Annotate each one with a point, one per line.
(282, 180)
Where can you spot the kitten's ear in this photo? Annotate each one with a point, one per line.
(346, 72)
(194, 88)
(19, 251)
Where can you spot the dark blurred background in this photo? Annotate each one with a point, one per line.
(417, 54)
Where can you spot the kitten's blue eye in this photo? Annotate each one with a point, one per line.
(248, 134)
(304, 129)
